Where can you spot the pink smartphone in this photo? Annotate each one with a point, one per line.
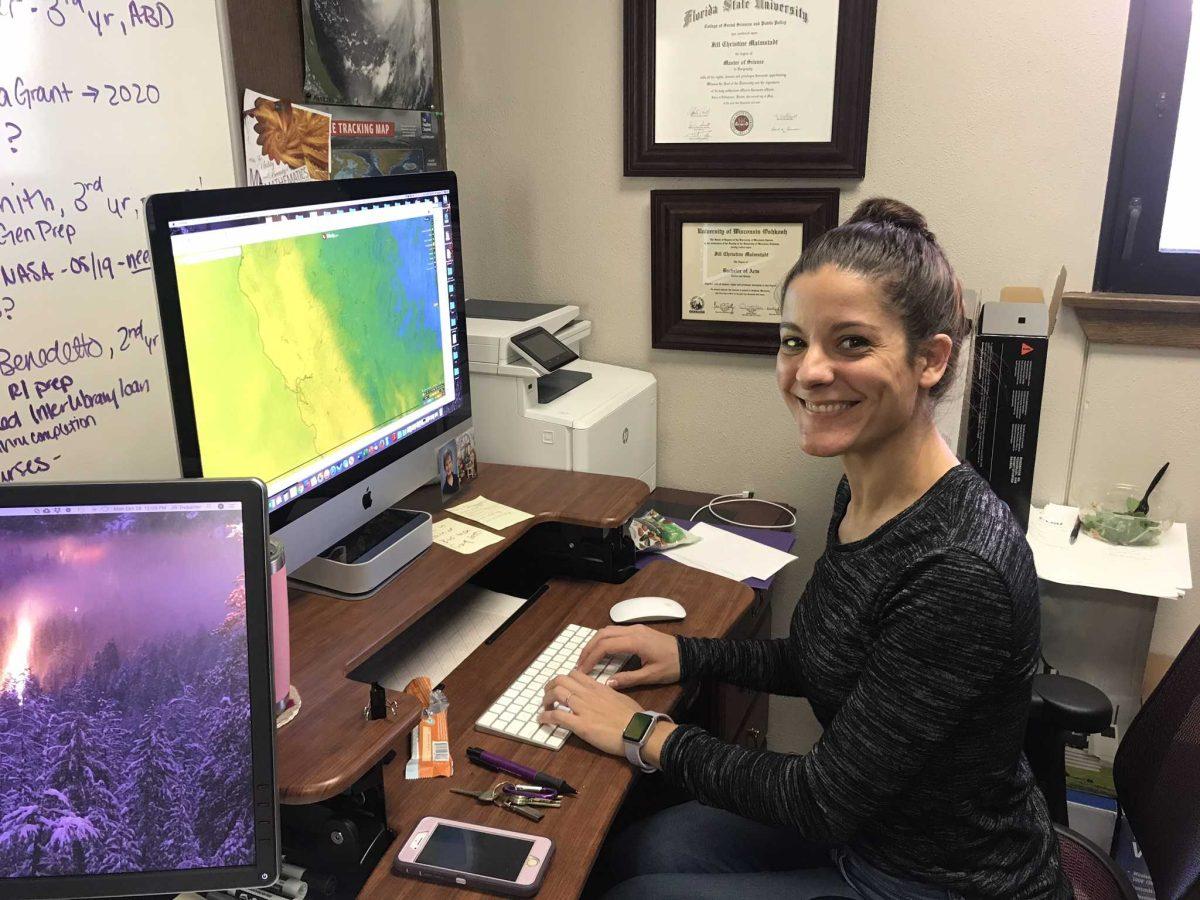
(474, 856)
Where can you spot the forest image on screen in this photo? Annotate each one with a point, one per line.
(124, 693)
(334, 335)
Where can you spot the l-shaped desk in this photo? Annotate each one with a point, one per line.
(330, 745)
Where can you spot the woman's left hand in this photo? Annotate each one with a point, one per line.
(596, 712)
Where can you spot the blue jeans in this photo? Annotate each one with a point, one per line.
(695, 852)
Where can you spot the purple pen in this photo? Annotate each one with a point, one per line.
(482, 757)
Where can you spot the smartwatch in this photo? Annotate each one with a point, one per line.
(637, 732)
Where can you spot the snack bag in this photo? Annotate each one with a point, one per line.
(430, 740)
(650, 531)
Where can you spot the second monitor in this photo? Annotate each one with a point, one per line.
(315, 339)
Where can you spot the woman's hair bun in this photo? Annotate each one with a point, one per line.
(885, 211)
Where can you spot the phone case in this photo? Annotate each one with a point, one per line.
(453, 878)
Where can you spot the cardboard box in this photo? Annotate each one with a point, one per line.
(1008, 371)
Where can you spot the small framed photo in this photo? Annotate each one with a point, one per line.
(447, 466)
(468, 462)
(719, 259)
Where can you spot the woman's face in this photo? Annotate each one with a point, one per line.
(843, 365)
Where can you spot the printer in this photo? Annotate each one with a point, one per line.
(534, 402)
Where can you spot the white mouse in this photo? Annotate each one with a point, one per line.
(646, 609)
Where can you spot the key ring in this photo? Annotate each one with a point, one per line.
(529, 790)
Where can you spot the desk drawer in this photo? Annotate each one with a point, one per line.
(732, 705)
(752, 733)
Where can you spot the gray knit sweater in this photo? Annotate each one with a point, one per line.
(915, 647)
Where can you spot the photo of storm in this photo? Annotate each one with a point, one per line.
(124, 692)
(371, 53)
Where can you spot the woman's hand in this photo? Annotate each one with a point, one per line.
(593, 711)
(658, 652)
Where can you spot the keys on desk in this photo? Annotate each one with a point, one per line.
(515, 713)
(506, 796)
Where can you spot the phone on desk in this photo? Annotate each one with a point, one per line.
(474, 856)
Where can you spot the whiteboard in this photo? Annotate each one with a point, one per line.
(102, 102)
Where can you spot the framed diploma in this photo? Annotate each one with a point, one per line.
(718, 261)
(748, 87)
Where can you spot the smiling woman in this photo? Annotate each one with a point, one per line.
(915, 640)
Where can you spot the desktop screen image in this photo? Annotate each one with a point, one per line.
(124, 694)
(313, 335)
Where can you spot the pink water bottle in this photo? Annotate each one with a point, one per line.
(280, 642)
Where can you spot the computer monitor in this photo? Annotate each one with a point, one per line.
(136, 715)
(315, 338)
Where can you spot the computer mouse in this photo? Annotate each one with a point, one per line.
(646, 609)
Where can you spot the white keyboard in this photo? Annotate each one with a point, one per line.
(515, 714)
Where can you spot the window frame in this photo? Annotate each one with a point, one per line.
(1128, 259)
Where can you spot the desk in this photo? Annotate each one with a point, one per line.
(329, 745)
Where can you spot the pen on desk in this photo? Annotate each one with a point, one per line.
(481, 757)
(1075, 529)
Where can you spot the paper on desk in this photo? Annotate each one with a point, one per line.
(462, 537)
(1163, 570)
(722, 553)
(438, 642)
(490, 513)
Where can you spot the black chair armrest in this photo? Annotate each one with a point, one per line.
(1070, 704)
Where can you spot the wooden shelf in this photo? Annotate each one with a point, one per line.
(329, 744)
(1147, 320)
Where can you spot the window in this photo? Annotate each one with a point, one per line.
(1150, 236)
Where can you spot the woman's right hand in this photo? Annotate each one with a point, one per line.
(659, 653)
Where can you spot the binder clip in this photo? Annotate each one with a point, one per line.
(379, 706)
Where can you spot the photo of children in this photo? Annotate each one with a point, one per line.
(447, 463)
(468, 464)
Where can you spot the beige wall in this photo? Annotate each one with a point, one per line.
(995, 121)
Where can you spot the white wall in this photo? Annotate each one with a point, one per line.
(994, 120)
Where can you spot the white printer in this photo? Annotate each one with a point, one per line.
(535, 403)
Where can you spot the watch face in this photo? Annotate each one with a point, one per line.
(637, 727)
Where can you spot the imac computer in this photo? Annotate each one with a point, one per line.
(136, 714)
(316, 339)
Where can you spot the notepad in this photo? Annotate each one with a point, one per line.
(461, 537)
(723, 553)
(490, 513)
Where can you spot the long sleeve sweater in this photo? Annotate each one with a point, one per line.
(915, 647)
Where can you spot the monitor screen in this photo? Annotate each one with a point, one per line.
(317, 336)
(125, 701)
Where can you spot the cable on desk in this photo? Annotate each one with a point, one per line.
(743, 497)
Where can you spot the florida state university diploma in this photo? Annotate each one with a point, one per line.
(744, 71)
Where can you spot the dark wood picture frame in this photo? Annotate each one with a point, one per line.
(814, 208)
(844, 156)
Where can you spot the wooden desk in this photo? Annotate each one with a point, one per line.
(714, 605)
(329, 745)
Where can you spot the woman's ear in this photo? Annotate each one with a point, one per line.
(933, 359)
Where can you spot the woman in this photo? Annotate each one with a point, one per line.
(915, 639)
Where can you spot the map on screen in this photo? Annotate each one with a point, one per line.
(299, 345)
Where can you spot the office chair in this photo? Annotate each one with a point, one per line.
(1091, 871)
(1157, 774)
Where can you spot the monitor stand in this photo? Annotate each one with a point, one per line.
(364, 561)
